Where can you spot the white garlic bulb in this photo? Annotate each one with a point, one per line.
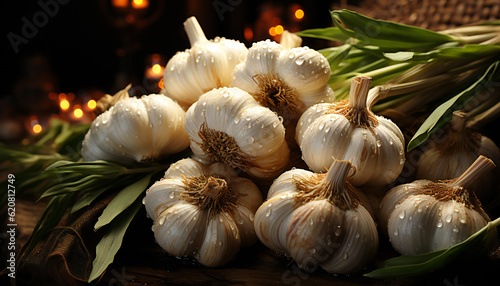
(227, 125)
(207, 65)
(450, 155)
(348, 130)
(203, 211)
(137, 130)
(318, 219)
(425, 216)
(285, 79)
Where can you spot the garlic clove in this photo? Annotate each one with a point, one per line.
(221, 241)
(178, 235)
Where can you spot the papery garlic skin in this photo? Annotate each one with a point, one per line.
(374, 144)
(287, 80)
(211, 233)
(449, 156)
(137, 130)
(341, 238)
(424, 216)
(227, 125)
(207, 65)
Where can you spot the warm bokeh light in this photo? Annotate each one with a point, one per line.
(248, 33)
(70, 96)
(160, 84)
(279, 30)
(62, 96)
(37, 128)
(299, 14)
(52, 95)
(91, 104)
(120, 3)
(272, 31)
(140, 4)
(78, 112)
(64, 104)
(157, 69)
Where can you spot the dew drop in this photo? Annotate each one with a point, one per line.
(220, 243)
(291, 56)
(299, 61)
(345, 256)
(402, 214)
(171, 195)
(448, 218)
(275, 124)
(401, 161)
(144, 200)
(312, 221)
(379, 143)
(463, 219)
(161, 221)
(396, 232)
(322, 125)
(391, 141)
(312, 250)
(268, 213)
(357, 235)
(251, 139)
(338, 231)
(236, 120)
(439, 223)
(456, 229)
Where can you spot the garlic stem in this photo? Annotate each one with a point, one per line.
(484, 117)
(479, 168)
(334, 181)
(471, 30)
(194, 31)
(289, 40)
(459, 121)
(358, 94)
(476, 39)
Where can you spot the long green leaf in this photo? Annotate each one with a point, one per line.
(89, 197)
(438, 117)
(111, 242)
(330, 34)
(73, 186)
(123, 200)
(386, 34)
(413, 265)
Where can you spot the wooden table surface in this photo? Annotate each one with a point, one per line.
(142, 262)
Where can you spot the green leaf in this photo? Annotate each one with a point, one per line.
(123, 200)
(386, 34)
(441, 115)
(111, 242)
(73, 186)
(399, 56)
(330, 34)
(413, 265)
(89, 197)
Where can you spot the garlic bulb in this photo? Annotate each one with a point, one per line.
(318, 219)
(450, 155)
(285, 79)
(348, 130)
(139, 130)
(227, 125)
(207, 65)
(203, 211)
(425, 216)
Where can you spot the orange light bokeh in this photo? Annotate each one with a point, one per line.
(91, 104)
(299, 14)
(37, 128)
(140, 4)
(157, 69)
(160, 84)
(64, 104)
(78, 112)
(248, 33)
(279, 29)
(120, 3)
(272, 31)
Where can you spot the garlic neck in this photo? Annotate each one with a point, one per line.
(474, 173)
(332, 186)
(357, 111)
(460, 139)
(194, 31)
(209, 193)
(289, 40)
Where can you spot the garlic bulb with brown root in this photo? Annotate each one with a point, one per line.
(207, 65)
(227, 125)
(318, 219)
(450, 155)
(348, 130)
(137, 130)
(425, 216)
(285, 78)
(203, 211)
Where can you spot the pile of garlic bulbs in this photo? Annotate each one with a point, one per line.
(233, 108)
